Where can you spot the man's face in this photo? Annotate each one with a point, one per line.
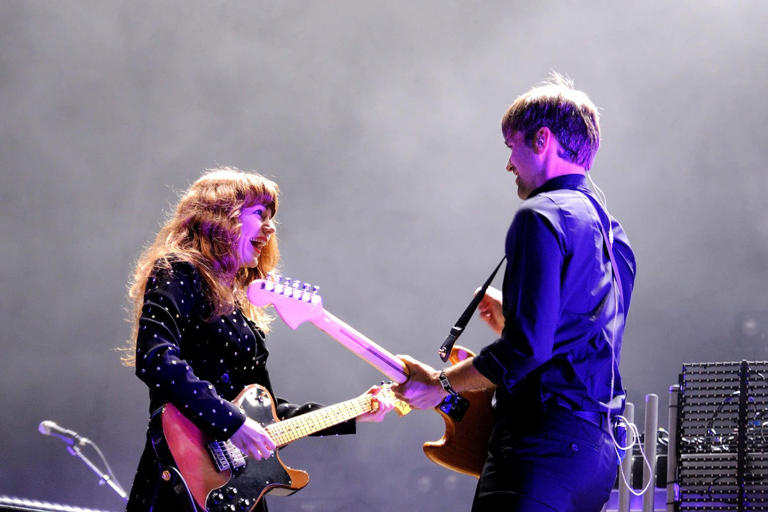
(522, 162)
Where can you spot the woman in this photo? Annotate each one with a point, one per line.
(198, 341)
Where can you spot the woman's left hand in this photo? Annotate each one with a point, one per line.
(385, 400)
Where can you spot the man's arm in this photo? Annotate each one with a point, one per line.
(526, 342)
(423, 389)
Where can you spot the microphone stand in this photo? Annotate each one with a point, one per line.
(74, 450)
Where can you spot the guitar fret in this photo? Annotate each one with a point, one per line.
(289, 430)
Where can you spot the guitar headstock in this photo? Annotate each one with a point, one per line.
(294, 301)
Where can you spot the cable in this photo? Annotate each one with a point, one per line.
(630, 427)
(106, 464)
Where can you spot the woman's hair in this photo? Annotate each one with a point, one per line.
(567, 112)
(203, 231)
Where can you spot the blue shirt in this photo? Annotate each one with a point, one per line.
(564, 314)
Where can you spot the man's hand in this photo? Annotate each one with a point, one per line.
(490, 309)
(386, 403)
(422, 390)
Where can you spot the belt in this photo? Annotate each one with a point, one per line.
(596, 418)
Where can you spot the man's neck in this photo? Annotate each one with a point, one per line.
(553, 165)
(554, 169)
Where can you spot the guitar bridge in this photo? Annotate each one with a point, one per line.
(226, 455)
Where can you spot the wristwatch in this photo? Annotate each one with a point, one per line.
(446, 385)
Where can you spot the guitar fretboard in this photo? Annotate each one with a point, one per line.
(286, 431)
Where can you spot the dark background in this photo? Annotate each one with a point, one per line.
(380, 121)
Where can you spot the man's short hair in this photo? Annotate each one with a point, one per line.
(567, 112)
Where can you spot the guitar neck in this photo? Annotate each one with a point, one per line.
(377, 356)
(287, 431)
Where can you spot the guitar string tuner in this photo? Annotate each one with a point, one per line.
(297, 284)
(315, 289)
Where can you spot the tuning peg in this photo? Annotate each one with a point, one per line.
(315, 289)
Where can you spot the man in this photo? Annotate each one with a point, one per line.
(560, 320)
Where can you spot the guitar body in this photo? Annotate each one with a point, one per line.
(215, 490)
(464, 446)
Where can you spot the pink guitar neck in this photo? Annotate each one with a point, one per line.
(295, 304)
(377, 356)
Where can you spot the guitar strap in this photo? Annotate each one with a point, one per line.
(461, 323)
(608, 238)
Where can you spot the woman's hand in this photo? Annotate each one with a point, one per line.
(490, 309)
(252, 439)
(386, 401)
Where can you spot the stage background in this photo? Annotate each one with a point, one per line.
(380, 121)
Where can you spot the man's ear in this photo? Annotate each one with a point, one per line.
(541, 140)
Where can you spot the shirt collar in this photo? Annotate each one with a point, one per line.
(567, 181)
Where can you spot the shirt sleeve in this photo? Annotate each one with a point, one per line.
(170, 299)
(531, 301)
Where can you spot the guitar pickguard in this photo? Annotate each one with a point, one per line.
(237, 489)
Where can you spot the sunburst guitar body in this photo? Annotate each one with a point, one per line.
(217, 476)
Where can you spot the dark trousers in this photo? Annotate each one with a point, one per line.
(555, 462)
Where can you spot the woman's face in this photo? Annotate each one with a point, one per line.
(256, 228)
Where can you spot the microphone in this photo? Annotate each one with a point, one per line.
(50, 428)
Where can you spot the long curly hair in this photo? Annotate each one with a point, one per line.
(203, 230)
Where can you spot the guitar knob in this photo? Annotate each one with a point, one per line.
(230, 507)
(231, 493)
(243, 504)
(217, 497)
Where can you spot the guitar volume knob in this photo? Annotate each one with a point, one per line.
(217, 497)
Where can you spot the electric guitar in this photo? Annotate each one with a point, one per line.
(464, 445)
(217, 476)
